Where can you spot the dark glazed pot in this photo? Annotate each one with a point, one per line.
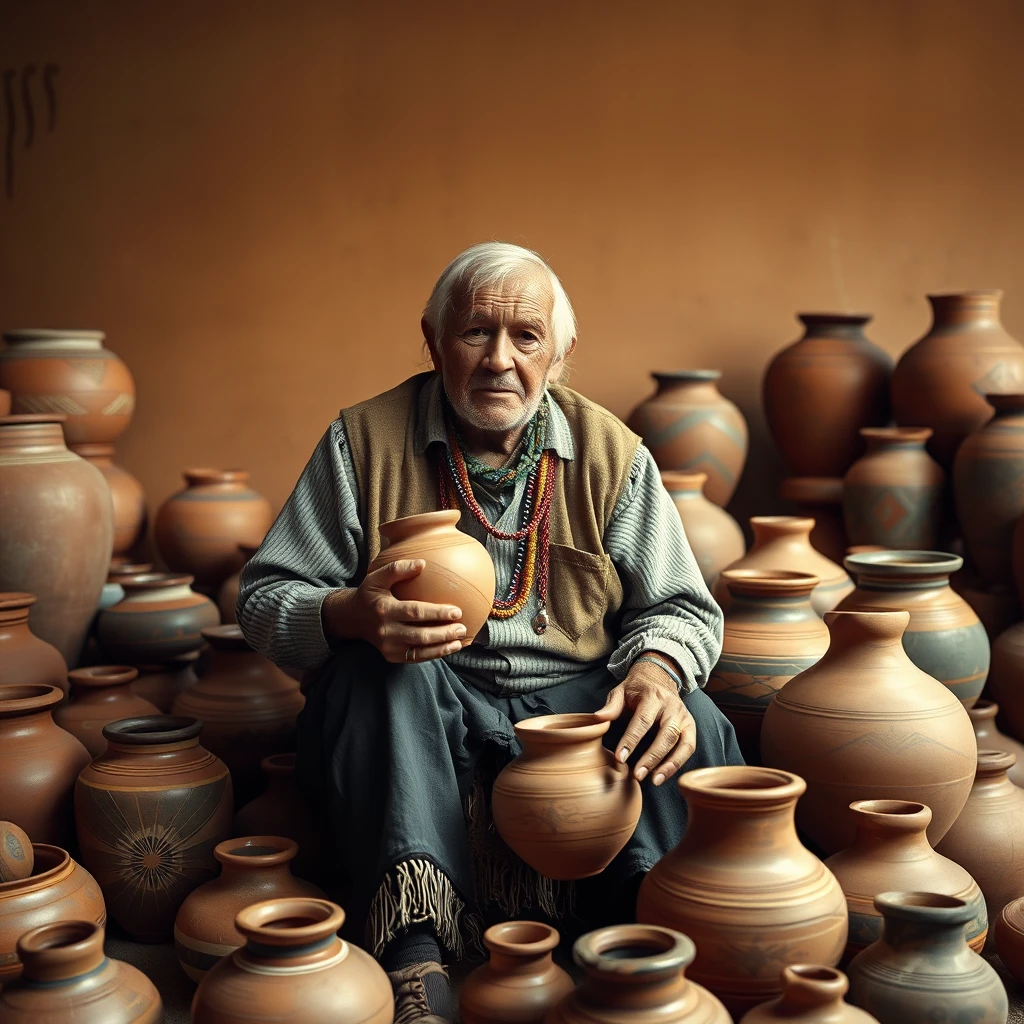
(101, 694)
(810, 995)
(983, 718)
(820, 498)
(24, 658)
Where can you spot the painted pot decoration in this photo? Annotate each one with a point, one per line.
(811, 994)
(1009, 932)
(820, 498)
(101, 694)
(125, 492)
(24, 658)
(988, 737)
(161, 684)
(227, 598)
(17, 859)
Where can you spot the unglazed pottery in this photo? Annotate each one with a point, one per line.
(689, 425)
(922, 969)
(24, 658)
(227, 598)
(811, 995)
(118, 572)
(150, 811)
(865, 723)
(294, 967)
(161, 684)
(565, 805)
(996, 606)
(100, 694)
(16, 856)
(635, 974)
(1009, 936)
(988, 736)
(125, 492)
(742, 880)
(5, 402)
(58, 529)
(940, 380)
(520, 983)
(459, 570)
(892, 849)
(945, 638)
(820, 498)
(1006, 678)
(67, 977)
(771, 633)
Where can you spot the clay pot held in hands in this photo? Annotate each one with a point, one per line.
(125, 492)
(100, 694)
(161, 684)
(16, 856)
(565, 805)
(227, 598)
(1009, 937)
(988, 736)
(742, 880)
(820, 498)
(24, 658)
(810, 995)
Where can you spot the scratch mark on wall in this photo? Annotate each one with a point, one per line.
(26, 101)
(28, 72)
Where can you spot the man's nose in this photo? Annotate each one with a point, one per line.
(499, 358)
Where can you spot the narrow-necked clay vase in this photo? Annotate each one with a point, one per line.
(988, 736)
(16, 857)
(253, 869)
(565, 805)
(820, 498)
(1009, 932)
(715, 537)
(227, 598)
(58, 529)
(892, 849)
(160, 684)
(945, 638)
(922, 969)
(24, 658)
(125, 492)
(59, 889)
(100, 694)
(820, 390)
(688, 425)
(783, 542)
(813, 995)
(68, 978)
(636, 974)
(150, 811)
(771, 633)
(294, 967)
(742, 880)
(520, 983)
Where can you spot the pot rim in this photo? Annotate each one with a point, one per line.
(27, 419)
(281, 851)
(278, 764)
(96, 676)
(742, 784)
(785, 524)
(24, 698)
(58, 854)
(995, 762)
(198, 475)
(152, 730)
(984, 709)
(257, 921)
(695, 376)
(683, 480)
(671, 950)
(11, 600)
(1012, 915)
(501, 938)
(567, 728)
(17, 334)
(61, 950)
(826, 982)
(924, 907)
(770, 582)
(842, 319)
(442, 517)
(903, 562)
(912, 815)
(905, 434)
(156, 581)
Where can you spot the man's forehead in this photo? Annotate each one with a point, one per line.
(528, 292)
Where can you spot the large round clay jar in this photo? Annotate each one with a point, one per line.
(58, 529)
(160, 684)
(945, 637)
(892, 849)
(689, 425)
(125, 492)
(922, 969)
(159, 618)
(940, 380)
(59, 889)
(459, 570)
(893, 495)
(865, 723)
(67, 978)
(1009, 936)
(24, 658)
(227, 597)
(520, 983)
(819, 391)
(247, 705)
(771, 633)
(636, 974)
(150, 811)
(811, 995)
(715, 537)
(783, 542)
(1006, 678)
(742, 880)
(72, 374)
(253, 869)
(100, 694)
(988, 737)
(198, 530)
(820, 498)
(39, 763)
(294, 967)
(565, 805)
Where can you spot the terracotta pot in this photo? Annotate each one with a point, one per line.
(150, 811)
(893, 495)
(118, 572)
(945, 637)
(59, 889)
(565, 805)
(1006, 678)
(16, 857)
(771, 633)
(459, 570)
(1009, 932)
(688, 425)
(939, 381)
(5, 402)
(820, 498)
(100, 694)
(810, 994)
(922, 969)
(742, 880)
(715, 537)
(892, 849)
(161, 684)
(783, 542)
(198, 530)
(24, 658)
(997, 607)
(819, 391)
(228, 596)
(294, 966)
(520, 983)
(635, 974)
(826, 725)
(58, 529)
(159, 618)
(125, 492)
(69, 373)
(247, 704)
(988, 737)
(253, 869)
(67, 977)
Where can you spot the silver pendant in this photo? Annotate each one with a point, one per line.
(540, 622)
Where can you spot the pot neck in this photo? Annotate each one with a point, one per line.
(930, 922)
(872, 640)
(97, 454)
(29, 705)
(807, 989)
(33, 436)
(231, 479)
(972, 307)
(14, 609)
(684, 485)
(897, 828)
(570, 738)
(292, 935)
(844, 326)
(990, 776)
(61, 953)
(790, 532)
(1005, 405)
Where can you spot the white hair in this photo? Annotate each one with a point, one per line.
(490, 263)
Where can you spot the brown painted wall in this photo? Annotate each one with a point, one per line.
(253, 199)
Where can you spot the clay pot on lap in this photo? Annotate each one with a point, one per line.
(126, 493)
(161, 684)
(24, 658)
(811, 995)
(820, 498)
(983, 718)
(100, 695)
(227, 597)
(1009, 938)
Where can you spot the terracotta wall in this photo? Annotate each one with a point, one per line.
(253, 198)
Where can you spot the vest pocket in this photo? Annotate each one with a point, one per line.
(577, 589)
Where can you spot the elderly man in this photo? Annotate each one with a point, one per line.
(599, 607)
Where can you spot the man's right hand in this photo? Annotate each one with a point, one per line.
(401, 630)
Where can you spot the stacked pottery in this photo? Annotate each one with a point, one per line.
(227, 598)
(820, 498)
(811, 994)
(160, 684)
(17, 860)
(24, 658)
(1009, 933)
(125, 492)
(988, 737)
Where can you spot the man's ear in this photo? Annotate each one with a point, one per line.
(431, 342)
(558, 368)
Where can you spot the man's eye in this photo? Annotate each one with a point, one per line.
(476, 332)
(528, 336)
